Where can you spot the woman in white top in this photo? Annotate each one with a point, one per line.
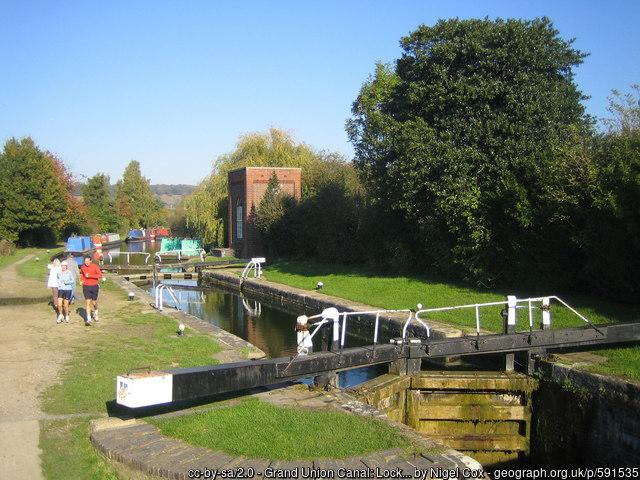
(52, 282)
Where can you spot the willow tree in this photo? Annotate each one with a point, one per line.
(206, 208)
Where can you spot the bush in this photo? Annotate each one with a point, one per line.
(6, 247)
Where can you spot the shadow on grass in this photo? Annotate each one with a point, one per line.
(183, 406)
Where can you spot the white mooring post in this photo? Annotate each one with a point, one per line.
(546, 313)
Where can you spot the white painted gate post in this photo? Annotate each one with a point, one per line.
(546, 313)
(509, 328)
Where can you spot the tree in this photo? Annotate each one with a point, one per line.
(610, 231)
(97, 197)
(135, 200)
(459, 137)
(206, 208)
(34, 198)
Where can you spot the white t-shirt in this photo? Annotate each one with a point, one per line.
(53, 277)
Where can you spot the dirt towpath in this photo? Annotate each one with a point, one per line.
(32, 349)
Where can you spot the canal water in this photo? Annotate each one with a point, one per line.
(268, 327)
(138, 253)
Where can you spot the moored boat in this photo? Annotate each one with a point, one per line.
(185, 247)
(79, 247)
(106, 240)
(162, 232)
(137, 235)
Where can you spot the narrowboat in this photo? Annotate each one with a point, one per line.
(162, 232)
(106, 240)
(186, 247)
(137, 235)
(79, 247)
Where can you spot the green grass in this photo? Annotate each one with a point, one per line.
(67, 452)
(139, 340)
(37, 268)
(397, 292)
(6, 260)
(621, 362)
(260, 430)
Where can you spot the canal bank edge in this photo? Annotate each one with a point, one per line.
(315, 302)
(235, 349)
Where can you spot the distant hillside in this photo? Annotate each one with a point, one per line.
(169, 195)
(179, 189)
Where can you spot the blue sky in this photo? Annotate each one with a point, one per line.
(173, 84)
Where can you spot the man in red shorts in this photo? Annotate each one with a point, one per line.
(90, 275)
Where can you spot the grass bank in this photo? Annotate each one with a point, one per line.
(396, 291)
(129, 335)
(260, 430)
(124, 339)
(6, 260)
(68, 453)
(37, 268)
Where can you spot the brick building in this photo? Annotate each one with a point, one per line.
(246, 188)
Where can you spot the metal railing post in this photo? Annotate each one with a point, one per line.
(509, 327)
(546, 313)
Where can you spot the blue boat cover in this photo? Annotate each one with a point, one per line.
(79, 244)
(135, 233)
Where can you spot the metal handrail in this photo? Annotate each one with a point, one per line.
(512, 303)
(256, 264)
(159, 301)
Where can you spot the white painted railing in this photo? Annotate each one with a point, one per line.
(159, 300)
(339, 319)
(256, 265)
(512, 305)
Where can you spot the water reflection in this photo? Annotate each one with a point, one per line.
(266, 326)
(119, 257)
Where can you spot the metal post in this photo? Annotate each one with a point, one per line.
(546, 314)
(509, 328)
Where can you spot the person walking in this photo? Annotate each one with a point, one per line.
(90, 275)
(75, 271)
(66, 282)
(52, 283)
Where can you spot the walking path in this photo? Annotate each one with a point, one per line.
(32, 349)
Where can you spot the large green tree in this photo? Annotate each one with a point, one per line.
(34, 198)
(461, 136)
(135, 200)
(100, 205)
